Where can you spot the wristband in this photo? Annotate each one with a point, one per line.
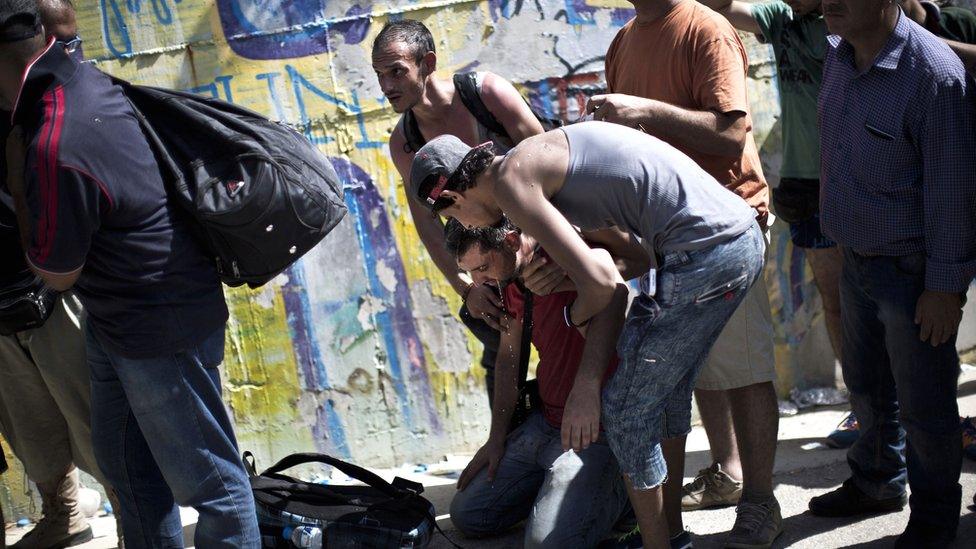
(569, 320)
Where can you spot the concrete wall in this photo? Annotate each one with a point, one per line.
(355, 350)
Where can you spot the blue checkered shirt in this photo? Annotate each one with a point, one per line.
(898, 163)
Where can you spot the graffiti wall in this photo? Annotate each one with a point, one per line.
(355, 351)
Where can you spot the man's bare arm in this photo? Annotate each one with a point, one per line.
(509, 108)
(581, 418)
(631, 258)
(528, 208)
(738, 13)
(503, 407)
(710, 132)
(506, 380)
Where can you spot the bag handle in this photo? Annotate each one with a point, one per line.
(354, 471)
(303, 491)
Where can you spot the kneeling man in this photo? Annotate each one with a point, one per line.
(571, 497)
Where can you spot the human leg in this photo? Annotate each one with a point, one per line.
(58, 349)
(37, 432)
(29, 416)
(756, 418)
(581, 498)
(662, 348)
(175, 409)
(488, 337)
(827, 265)
(926, 381)
(878, 474)
(716, 417)
(484, 507)
(742, 361)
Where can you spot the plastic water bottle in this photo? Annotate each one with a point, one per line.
(307, 536)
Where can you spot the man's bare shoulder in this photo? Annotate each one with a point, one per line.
(537, 158)
(500, 95)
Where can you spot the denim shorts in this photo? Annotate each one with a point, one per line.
(663, 347)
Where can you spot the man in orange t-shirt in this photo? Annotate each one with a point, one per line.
(678, 71)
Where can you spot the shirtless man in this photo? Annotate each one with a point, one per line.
(404, 60)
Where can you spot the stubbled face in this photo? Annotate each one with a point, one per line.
(847, 18)
(401, 78)
(803, 7)
(492, 266)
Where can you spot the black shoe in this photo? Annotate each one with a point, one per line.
(849, 500)
(923, 536)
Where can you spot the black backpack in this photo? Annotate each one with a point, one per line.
(261, 195)
(466, 84)
(376, 515)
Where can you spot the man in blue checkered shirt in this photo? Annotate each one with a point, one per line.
(898, 192)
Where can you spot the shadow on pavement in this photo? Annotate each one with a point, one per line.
(795, 529)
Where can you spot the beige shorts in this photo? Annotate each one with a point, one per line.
(743, 354)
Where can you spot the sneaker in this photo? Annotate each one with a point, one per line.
(632, 540)
(849, 500)
(846, 433)
(713, 487)
(924, 536)
(968, 437)
(756, 526)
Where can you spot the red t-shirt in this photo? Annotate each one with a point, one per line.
(560, 348)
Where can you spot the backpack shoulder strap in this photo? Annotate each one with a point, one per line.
(411, 133)
(466, 84)
(526, 347)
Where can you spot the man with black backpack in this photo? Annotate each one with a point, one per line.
(94, 215)
(475, 107)
(570, 491)
(45, 411)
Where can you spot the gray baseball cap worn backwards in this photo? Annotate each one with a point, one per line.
(19, 20)
(437, 167)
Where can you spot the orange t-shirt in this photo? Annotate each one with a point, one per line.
(692, 58)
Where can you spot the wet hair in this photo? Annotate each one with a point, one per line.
(464, 177)
(408, 31)
(459, 238)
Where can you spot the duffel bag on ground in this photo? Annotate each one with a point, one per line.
(376, 515)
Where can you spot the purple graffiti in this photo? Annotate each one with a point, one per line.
(395, 322)
(285, 29)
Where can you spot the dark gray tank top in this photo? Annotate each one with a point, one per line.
(621, 177)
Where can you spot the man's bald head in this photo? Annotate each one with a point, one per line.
(58, 18)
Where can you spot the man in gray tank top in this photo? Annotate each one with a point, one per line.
(708, 250)
(404, 60)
